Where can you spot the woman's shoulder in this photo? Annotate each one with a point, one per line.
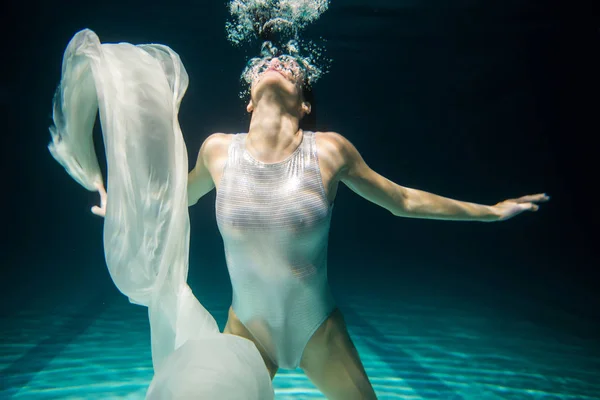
(219, 139)
(330, 150)
(331, 141)
(217, 144)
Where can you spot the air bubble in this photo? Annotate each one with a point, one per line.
(278, 23)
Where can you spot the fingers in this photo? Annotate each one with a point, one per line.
(98, 211)
(533, 198)
(528, 207)
(100, 187)
(103, 198)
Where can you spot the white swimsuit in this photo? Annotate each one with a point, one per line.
(274, 219)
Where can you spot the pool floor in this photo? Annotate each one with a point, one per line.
(96, 345)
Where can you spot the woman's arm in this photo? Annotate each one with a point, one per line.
(200, 180)
(413, 203)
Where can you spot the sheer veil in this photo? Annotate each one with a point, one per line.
(137, 90)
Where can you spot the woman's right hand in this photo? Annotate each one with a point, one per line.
(100, 211)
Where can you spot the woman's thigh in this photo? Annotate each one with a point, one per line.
(235, 327)
(331, 362)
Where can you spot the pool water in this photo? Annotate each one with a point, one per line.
(415, 344)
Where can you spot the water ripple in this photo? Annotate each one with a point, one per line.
(410, 349)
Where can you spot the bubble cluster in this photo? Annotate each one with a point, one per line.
(260, 18)
(307, 66)
(277, 24)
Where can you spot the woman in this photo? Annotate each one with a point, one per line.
(275, 191)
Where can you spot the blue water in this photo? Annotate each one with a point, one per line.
(418, 340)
(473, 102)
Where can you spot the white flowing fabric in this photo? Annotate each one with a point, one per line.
(138, 90)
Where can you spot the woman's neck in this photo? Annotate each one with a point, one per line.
(274, 132)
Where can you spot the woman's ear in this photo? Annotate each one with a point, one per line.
(306, 107)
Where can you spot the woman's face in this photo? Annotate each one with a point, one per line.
(284, 66)
(283, 74)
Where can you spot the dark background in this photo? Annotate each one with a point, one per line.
(479, 101)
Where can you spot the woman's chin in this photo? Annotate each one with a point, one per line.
(272, 77)
(273, 80)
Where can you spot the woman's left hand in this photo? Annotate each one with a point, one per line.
(512, 207)
(100, 211)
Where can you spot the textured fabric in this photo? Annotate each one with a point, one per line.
(186, 375)
(137, 90)
(274, 219)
